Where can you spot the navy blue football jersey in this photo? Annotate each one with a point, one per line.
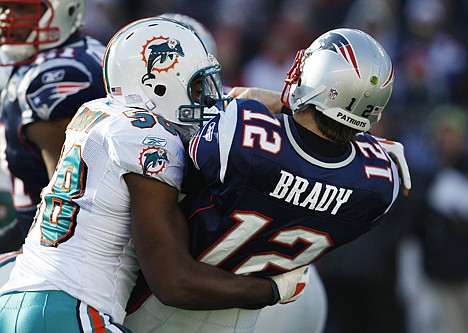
(53, 86)
(271, 203)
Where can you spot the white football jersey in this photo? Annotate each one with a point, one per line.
(306, 314)
(80, 241)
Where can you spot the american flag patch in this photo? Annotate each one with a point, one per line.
(117, 91)
(377, 110)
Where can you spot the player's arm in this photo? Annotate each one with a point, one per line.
(161, 240)
(270, 98)
(49, 137)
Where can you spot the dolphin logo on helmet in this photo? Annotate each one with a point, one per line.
(159, 54)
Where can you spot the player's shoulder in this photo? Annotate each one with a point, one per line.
(81, 52)
(369, 148)
(241, 109)
(91, 42)
(90, 114)
(116, 122)
(136, 124)
(365, 137)
(139, 141)
(57, 71)
(251, 104)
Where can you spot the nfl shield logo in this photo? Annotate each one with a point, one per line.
(332, 94)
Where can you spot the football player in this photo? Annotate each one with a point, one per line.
(53, 70)
(296, 187)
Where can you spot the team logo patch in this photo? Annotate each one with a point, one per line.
(332, 94)
(377, 110)
(208, 136)
(53, 76)
(153, 160)
(340, 45)
(155, 141)
(160, 54)
(45, 99)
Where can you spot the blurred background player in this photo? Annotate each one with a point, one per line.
(434, 278)
(54, 69)
(9, 230)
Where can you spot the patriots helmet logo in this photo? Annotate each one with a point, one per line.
(340, 45)
(160, 54)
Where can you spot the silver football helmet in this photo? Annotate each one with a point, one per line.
(346, 74)
(48, 23)
(161, 65)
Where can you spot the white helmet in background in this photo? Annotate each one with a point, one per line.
(202, 31)
(58, 21)
(152, 63)
(346, 74)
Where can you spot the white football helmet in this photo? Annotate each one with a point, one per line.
(346, 74)
(59, 20)
(152, 63)
(202, 31)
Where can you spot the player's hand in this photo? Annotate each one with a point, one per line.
(270, 98)
(397, 152)
(291, 285)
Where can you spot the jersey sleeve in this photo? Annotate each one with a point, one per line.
(209, 148)
(151, 152)
(219, 142)
(58, 87)
(383, 168)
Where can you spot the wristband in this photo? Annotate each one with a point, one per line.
(276, 294)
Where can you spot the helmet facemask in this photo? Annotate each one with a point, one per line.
(30, 26)
(204, 91)
(19, 24)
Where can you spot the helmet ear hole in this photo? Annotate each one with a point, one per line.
(71, 11)
(160, 90)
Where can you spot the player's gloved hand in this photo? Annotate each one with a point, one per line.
(291, 285)
(397, 152)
